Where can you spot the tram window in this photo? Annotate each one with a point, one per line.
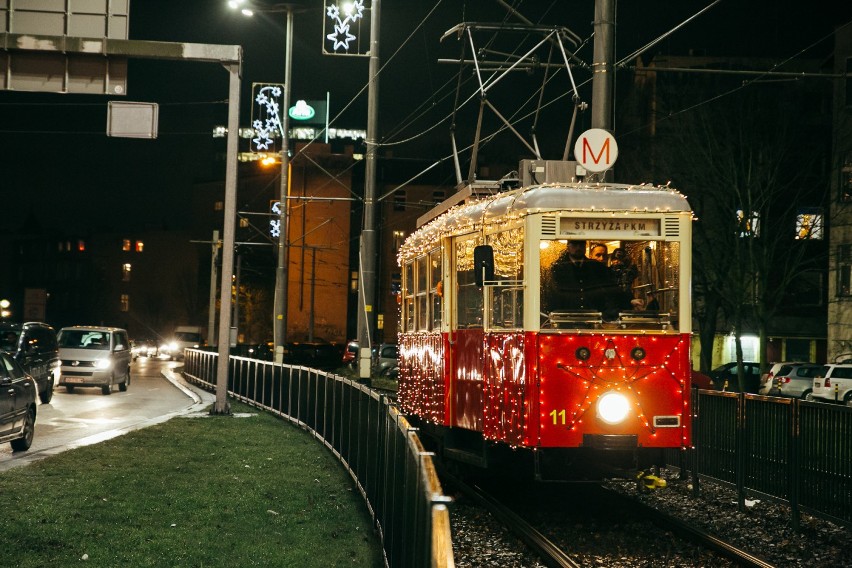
(408, 296)
(469, 305)
(420, 292)
(506, 296)
(646, 277)
(435, 289)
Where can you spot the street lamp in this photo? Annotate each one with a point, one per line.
(279, 323)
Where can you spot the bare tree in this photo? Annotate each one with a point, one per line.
(742, 163)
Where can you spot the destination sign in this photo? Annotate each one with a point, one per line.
(612, 226)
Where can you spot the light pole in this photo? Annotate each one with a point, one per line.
(279, 323)
(367, 277)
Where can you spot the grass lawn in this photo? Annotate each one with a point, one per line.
(241, 490)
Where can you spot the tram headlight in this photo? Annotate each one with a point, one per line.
(613, 407)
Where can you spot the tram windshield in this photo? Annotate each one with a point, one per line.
(632, 284)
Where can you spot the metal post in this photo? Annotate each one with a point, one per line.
(602, 67)
(367, 276)
(236, 322)
(312, 318)
(279, 325)
(211, 310)
(222, 406)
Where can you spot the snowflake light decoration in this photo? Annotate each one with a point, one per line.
(342, 22)
(275, 224)
(270, 120)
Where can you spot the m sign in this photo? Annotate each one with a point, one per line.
(596, 150)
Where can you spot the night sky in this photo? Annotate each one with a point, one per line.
(56, 161)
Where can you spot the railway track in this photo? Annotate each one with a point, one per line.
(608, 536)
(701, 537)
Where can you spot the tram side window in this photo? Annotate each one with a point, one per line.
(408, 296)
(469, 305)
(506, 297)
(436, 292)
(420, 293)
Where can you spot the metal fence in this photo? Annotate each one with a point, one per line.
(376, 444)
(789, 450)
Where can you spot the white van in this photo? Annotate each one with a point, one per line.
(94, 357)
(834, 383)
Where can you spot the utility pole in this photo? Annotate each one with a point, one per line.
(603, 70)
(367, 276)
(279, 325)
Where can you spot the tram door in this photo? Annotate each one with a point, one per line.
(467, 337)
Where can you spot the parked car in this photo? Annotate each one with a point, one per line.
(725, 376)
(833, 383)
(17, 404)
(702, 381)
(94, 357)
(258, 351)
(793, 379)
(350, 355)
(313, 354)
(385, 359)
(33, 346)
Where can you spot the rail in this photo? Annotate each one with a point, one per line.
(375, 443)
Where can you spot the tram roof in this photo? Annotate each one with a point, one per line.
(557, 197)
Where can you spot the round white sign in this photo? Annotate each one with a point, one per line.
(596, 150)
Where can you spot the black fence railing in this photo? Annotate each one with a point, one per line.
(789, 450)
(368, 435)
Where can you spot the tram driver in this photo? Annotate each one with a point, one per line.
(580, 283)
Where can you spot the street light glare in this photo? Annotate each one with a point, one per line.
(247, 12)
(234, 4)
(348, 8)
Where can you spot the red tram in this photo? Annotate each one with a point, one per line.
(490, 361)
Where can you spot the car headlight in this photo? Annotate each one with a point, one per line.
(613, 407)
(103, 364)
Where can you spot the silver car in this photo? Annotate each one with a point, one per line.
(792, 379)
(94, 357)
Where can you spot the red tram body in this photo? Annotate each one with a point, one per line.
(486, 362)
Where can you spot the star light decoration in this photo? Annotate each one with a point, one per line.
(270, 118)
(352, 12)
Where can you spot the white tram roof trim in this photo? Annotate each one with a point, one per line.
(569, 197)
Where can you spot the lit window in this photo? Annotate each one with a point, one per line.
(244, 222)
(353, 281)
(125, 245)
(125, 272)
(748, 227)
(809, 223)
(219, 206)
(140, 246)
(125, 302)
(81, 246)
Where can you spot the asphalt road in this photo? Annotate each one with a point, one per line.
(156, 393)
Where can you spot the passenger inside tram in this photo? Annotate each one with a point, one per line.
(639, 282)
(580, 283)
